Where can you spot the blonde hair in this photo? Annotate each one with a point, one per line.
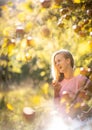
(55, 74)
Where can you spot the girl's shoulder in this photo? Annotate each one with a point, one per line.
(81, 77)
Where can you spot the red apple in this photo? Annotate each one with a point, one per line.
(28, 56)
(90, 77)
(86, 21)
(91, 34)
(30, 41)
(45, 3)
(89, 12)
(84, 95)
(45, 31)
(65, 96)
(64, 11)
(67, 16)
(82, 33)
(19, 31)
(28, 113)
(83, 71)
(58, 1)
(76, 28)
(60, 23)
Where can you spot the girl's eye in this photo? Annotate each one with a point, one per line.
(57, 62)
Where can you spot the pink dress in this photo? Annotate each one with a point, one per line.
(71, 86)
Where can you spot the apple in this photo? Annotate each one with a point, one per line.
(90, 77)
(89, 12)
(83, 71)
(58, 1)
(60, 23)
(84, 95)
(67, 16)
(65, 97)
(28, 113)
(13, 41)
(82, 33)
(28, 57)
(89, 70)
(30, 41)
(45, 31)
(45, 3)
(85, 21)
(91, 34)
(64, 11)
(19, 31)
(76, 28)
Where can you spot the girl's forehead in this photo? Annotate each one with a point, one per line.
(59, 55)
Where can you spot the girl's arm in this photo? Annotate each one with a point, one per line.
(57, 87)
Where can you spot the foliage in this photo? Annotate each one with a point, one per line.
(35, 29)
(79, 12)
(30, 31)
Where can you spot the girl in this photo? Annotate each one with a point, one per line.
(64, 82)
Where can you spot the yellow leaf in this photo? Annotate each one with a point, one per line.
(36, 100)
(4, 45)
(67, 109)
(23, 43)
(45, 88)
(11, 48)
(16, 69)
(21, 57)
(63, 100)
(76, 1)
(6, 31)
(10, 107)
(77, 105)
(56, 6)
(21, 16)
(4, 7)
(28, 26)
(77, 71)
(42, 73)
(10, 3)
(84, 48)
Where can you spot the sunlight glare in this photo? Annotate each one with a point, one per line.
(57, 123)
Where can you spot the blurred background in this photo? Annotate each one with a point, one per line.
(30, 31)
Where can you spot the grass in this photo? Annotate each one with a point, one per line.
(11, 114)
(40, 99)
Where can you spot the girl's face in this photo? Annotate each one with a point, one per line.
(61, 63)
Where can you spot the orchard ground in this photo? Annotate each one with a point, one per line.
(40, 99)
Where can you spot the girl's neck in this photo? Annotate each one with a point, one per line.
(69, 74)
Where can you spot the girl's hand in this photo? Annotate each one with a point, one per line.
(57, 87)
